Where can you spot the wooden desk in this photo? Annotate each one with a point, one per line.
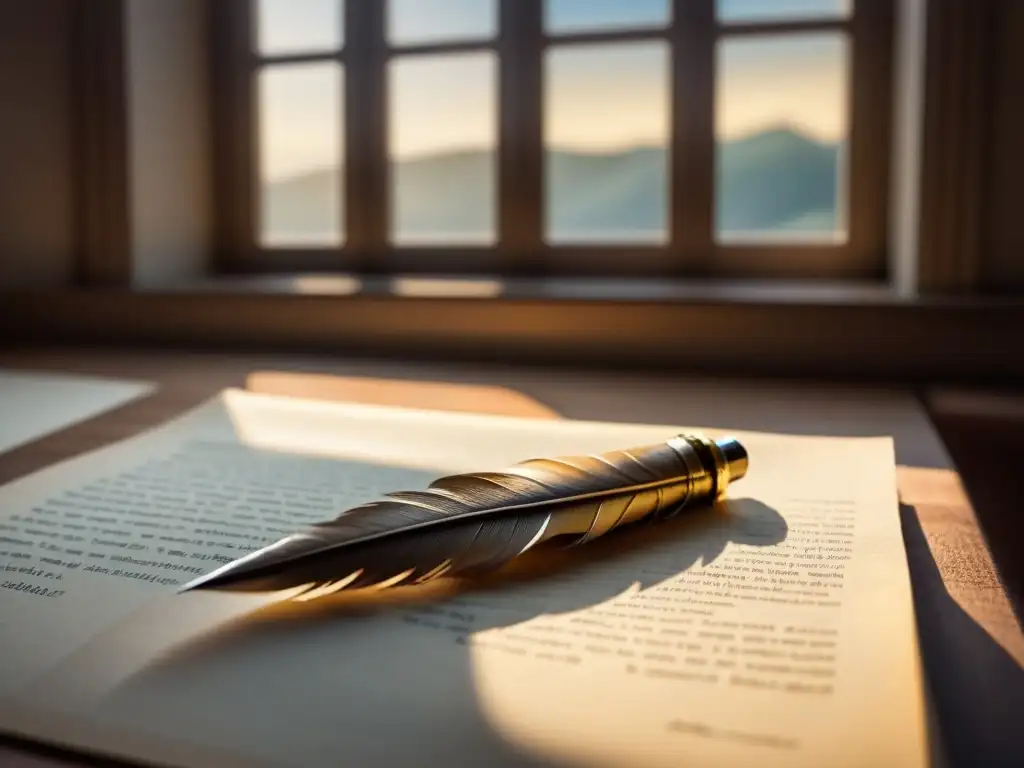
(971, 641)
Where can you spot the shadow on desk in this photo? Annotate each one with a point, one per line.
(967, 670)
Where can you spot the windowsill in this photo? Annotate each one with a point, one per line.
(834, 330)
(563, 289)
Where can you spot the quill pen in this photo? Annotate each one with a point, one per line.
(472, 523)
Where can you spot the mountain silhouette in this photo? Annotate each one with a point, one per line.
(774, 181)
(625, 192)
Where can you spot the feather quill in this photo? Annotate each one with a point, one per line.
(472, 523)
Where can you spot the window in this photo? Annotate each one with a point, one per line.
(685, 137)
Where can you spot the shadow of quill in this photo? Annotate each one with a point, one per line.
(543, 582)
(350, 675)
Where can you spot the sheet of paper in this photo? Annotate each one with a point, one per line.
(33, 405)
(776, 629)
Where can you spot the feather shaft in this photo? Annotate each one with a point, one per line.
(475, 522)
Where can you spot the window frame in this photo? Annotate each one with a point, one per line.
(691, 249)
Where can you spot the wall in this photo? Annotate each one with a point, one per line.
(1002, 220)
(37, 219)
(169, 141)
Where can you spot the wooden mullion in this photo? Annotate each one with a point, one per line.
(301, 58)
(607, 36)
(521, 137)
(783, 27)
(430, 49)
(870, 132)
(366, 157)
(692, 180)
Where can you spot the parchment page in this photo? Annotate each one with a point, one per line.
(775, 628)
(36, 404)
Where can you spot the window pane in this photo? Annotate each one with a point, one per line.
(442, 137)
(579, 15)
(299, 26)
(782, 135)
(301, 154)
(431, 21)
(606, 110)
(782, 10)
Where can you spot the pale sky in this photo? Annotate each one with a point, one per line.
(600, 98)
(440, 103)
(795, 79)
(607, 97)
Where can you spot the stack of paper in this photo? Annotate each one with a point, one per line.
(775, 630)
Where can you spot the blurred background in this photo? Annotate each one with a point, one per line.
(776, 186)
(781, 121)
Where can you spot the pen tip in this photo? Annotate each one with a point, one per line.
(217, 579)
(237, 575)
(201, 583)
